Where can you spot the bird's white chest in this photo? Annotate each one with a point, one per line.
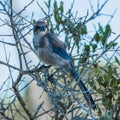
(39, 52)
(41, 46)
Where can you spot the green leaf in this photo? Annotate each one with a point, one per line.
(94, 46)
(100, 81)
(55, 4)
(61, 7)
(87, 48)
(67, 41)
(97, 37)
(106, 80)
(97, 70)
(116, 60)
(111, 44)
(114, 85)
(100, 91)
(99, 111)
(106, 34)
(56, 16)
(110, 71)
(103, 34)
(83, 30)
(107, 31)
(78, 26)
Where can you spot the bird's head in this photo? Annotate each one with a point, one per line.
(40, 28)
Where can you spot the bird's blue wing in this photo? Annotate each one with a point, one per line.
(57, 48)
(61, 52)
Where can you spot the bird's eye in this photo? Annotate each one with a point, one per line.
(36, 28)
(42, 28)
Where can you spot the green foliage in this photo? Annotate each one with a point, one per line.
(102, 35)
(97, 37)
(75, 30)
(58, 13)
(107, 87)
(86, 53)
(76, 37)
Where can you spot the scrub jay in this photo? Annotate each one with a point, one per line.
(50, 50)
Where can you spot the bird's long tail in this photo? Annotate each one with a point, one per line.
(85, 91)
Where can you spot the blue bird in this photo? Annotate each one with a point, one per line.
(50, 50)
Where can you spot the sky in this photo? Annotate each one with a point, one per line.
(80, 5)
